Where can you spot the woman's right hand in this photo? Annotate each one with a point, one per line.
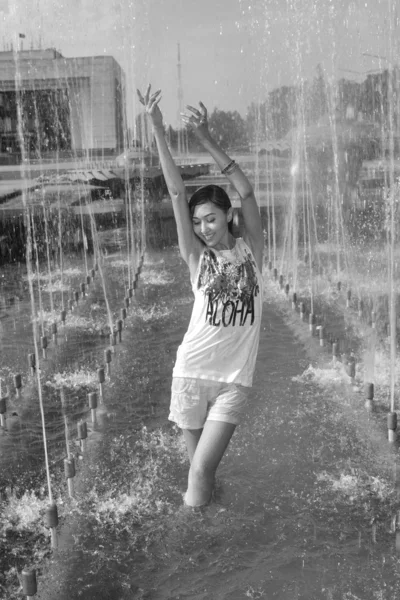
(150, 102)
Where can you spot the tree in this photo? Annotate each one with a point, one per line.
(281, 111)
(256, 121)
(316, 97)
(229, 129)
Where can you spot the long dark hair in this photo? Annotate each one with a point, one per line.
(214, 194)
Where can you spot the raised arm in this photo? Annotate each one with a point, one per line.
(189, 245)
(253, 235)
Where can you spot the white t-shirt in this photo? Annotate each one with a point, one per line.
(221, 342)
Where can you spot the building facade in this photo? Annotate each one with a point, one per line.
(55, 104)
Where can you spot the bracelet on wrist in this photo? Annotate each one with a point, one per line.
(230, 167)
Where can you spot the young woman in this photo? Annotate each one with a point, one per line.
(215, 362)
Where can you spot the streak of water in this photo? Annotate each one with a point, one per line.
(32, 298)
(46, 217)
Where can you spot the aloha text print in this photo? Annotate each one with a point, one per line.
(230, 313)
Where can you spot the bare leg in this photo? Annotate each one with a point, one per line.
(208, 454)
(191, 437)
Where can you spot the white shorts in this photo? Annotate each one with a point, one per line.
(194, 401)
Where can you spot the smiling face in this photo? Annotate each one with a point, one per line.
(210, 224)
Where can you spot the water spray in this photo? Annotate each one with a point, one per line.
(51, 515)
(99, 267)
(31, 222)
(46, 231)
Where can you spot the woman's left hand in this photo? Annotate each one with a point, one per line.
(197, 121)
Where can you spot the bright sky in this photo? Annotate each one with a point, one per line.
(232, 51)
